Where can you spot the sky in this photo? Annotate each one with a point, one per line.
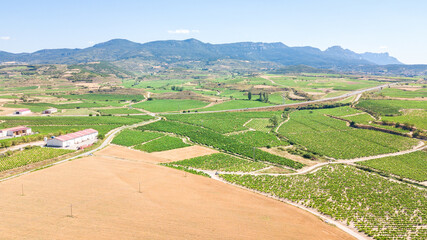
(395, 26)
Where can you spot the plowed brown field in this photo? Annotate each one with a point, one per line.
(107, 204)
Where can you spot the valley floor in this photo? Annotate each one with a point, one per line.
(122, 193)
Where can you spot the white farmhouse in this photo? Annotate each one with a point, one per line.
(72, 140)
(15, 131)
(22, 111)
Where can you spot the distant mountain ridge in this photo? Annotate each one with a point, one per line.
(193, 49)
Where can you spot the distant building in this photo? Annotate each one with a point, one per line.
(22, 111)
(50, 111)
(15, 131)
(73, 139)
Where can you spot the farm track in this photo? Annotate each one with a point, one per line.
(316, 167)
(109, 137)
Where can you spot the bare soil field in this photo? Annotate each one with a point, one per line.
(107, 203)
(184, 153)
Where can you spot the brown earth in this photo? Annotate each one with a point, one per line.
(184, 153)
(107, 204)
(409, 88)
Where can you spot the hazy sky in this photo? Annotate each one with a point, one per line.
(396, 26)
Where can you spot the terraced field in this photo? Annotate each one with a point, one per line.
(236, 104)
(129, 137)
(390, 107)
(28, 156)
(259, 139)
(168, 105)
(210, 138)
(331, 137)
(223, 122)
(162, 144)
(416, 117)
(412, 165)
(221, 162)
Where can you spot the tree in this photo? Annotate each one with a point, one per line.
(249, 95)
(274, 120)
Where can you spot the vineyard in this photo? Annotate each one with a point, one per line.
(221, 162)
(390, 107)
(162, 144)
(360, 118)
(108, 111)
(210, 138)
(55, 121)
(236, 104)
(374, 205)
(259, 139)
(412, 165)
(416, 117)
(134, 137)
(331, 137)
(167, 105)
(229, 122)
(28, 156)
(105, 97)
(260, 124)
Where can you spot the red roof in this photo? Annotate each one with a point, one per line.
(15, 129)
(70, 136)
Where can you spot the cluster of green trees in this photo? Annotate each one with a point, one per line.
(263, 97)
(176, 88)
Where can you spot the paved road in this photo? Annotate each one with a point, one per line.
(357, 92)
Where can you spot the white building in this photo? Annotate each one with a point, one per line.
(22, 111)
(72, 140)
(50, 111)
(15, 131)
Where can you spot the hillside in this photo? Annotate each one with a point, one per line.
(171, 51)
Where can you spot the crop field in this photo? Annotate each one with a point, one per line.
(416, 117)
(219, 141)
(57, 120)
(162, 144)
(374, 205)
(236, 104)
(168, 105)
(394, 92)
(338, 111)
(118, 111)
(133, 137)
(38, 107)
(412, 165)
(360, 118)
(28, 156)
(391, 107)
(221, 162)
(340, 84)
(259, 139)
(75, 112)
(331, 137)
(229, 122)
(260, 124)
(105, 97)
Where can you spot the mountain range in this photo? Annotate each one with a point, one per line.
(194, 50)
